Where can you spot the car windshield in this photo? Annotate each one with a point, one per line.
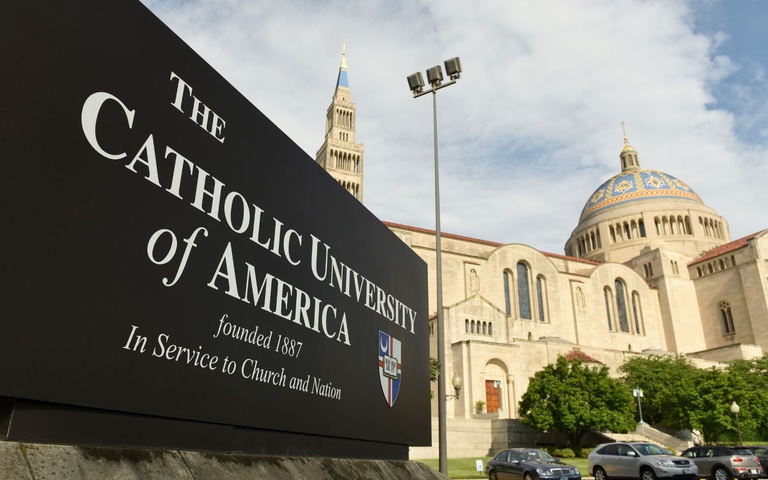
(536, 456)
(651, 449)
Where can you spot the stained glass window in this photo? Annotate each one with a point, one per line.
(540, 298)
(507, 302)
(607, 293)
(523, 291)
(621, 305)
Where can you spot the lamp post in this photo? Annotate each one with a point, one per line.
(638, 393)
(457, 382)
(416, 84)
(735, 409)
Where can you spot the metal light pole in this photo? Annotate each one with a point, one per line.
(735, 409)
(638, 393)
(416, 84)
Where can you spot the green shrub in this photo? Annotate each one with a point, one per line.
(563, 453)
(584, 452)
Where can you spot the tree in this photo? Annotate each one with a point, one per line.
(748, 382)
(434, 373)
(709, 410)
(681, 396)
(574, 399)
(660, 377)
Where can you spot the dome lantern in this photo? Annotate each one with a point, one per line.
(629, 158)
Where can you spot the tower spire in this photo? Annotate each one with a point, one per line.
(343, 80)
(339, 155)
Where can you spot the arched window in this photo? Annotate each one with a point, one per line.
(473, 327)
(523, 291)
(541, 295)
(466, 325)
(490, 328)
(637, 312)
(608, 307)
(507, 299)
(621, 306)
(727, 317)
(485, 328)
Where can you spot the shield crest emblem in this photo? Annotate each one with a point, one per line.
(390, 366)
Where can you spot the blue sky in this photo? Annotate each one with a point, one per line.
(533, 127)
(745, 92)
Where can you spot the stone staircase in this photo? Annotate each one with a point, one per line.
(646, 433)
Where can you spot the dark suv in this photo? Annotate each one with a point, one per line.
(724, 463)
(640, 460)
(761, 452)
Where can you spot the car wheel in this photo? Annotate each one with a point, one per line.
(492, 475)
(599, 474)
(647, 474)
(527, 477)
(721, 474)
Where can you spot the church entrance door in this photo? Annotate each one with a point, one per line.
(491, 396)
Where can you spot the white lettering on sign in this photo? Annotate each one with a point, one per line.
(198, 111)
(171, 171)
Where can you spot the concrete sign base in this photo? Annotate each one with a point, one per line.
(26, 461)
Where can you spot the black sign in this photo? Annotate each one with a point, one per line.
(168, 251)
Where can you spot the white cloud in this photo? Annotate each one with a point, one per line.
(530, 130)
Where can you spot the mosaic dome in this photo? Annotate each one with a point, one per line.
(637, 185)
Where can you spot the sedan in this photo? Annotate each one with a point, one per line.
(529, 464)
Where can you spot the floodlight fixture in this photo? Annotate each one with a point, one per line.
(453, 68)
(416, 82)
(435, 76)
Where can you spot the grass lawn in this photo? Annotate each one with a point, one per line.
(465, 467)
(458, 467)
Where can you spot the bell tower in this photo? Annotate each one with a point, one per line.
(339, 155)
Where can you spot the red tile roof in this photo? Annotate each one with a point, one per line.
(483, 242)
(726, 248)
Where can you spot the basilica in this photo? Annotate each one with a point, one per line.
(648, 269)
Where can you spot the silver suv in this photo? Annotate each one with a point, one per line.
(644, 461)
(725, 463)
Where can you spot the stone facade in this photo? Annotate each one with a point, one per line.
(496, 341)
(510, 309)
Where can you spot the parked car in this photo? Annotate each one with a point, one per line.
(645, 461)
(761, 452)
(529, 464)
(724, 463)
